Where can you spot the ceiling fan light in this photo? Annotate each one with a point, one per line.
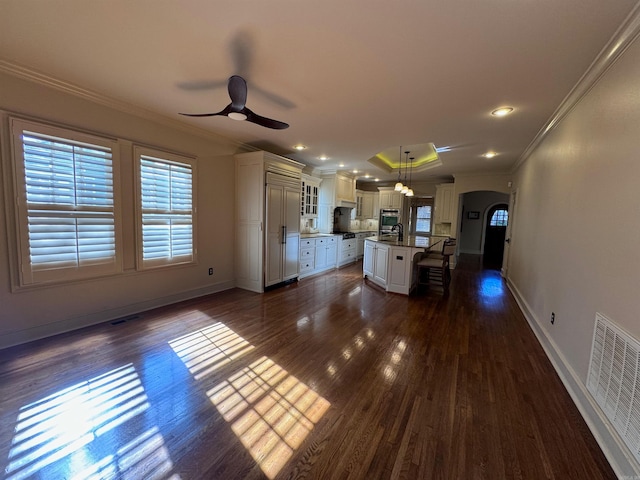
(398, 186)
(502, 111)
(237, 116)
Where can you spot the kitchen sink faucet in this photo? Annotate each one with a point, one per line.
(400, 229)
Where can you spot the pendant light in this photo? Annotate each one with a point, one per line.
(405, 188)
(399, 185)
(410, 191)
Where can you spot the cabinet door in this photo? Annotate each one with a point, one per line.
(367, 262)
(444, 204)
(345, 188)
(396, 200)
(367, 206)
(274, 234)
(321, 256)
(385, 200)
(332, 254)
(291, 260)
(381, 262)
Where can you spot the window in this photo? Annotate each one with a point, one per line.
(423, 219)
(67, 210)
(500, 218)
(165, 202)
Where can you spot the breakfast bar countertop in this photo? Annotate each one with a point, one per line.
(412, 241)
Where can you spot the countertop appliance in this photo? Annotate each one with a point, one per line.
(388, 218)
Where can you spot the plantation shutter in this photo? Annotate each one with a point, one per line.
(68, 217)
(166, 189)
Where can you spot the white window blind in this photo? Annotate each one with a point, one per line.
(67, 209)
(166, 211)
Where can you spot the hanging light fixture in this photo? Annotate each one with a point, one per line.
(410, 191)
(405, 188)
(399, 185)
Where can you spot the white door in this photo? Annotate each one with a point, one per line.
(274, 235)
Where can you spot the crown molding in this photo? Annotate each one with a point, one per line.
(30, 75)
(613, 50)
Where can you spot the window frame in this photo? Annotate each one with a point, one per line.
(140, 152)
(27, 276)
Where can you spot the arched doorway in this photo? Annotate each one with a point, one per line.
(495, 230)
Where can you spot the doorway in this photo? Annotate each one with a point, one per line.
(495, 232)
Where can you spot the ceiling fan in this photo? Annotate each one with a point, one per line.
(237, 109)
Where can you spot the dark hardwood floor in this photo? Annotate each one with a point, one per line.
(326, 378)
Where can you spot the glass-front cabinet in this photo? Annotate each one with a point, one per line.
(309, 197)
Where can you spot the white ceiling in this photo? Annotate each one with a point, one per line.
(352, 78)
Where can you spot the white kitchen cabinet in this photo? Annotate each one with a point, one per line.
(364, 205)
(309, 200)
(389, 198)
(318, 254)
(267, 220)
(326, 253)
(376, 262)
(360, 237)
(444, 203)
(307, 256)
(347, 251)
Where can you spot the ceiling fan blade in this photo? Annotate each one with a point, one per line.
(202, 85)
(264, 121)
(224, 112)
(237, 92)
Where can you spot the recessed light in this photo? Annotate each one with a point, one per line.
(490, 154)
(323, 158)
(341, 165)
(367, 176)
(355, 171)
(376, 179)
(299, 147)
(502, 111)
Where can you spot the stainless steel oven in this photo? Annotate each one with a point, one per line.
(388, 218)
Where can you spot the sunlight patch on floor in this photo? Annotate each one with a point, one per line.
(64, 427)
(206, 350)
(270, 411)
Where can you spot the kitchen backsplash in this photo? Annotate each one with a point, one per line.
(310, 225)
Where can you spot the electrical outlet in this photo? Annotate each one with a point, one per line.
(553, 318)
(210, 270)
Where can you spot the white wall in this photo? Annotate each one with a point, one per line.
(39, 312)
(575, 246)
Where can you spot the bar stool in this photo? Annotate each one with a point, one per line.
(434, 268)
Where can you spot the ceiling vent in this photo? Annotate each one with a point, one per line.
(614, 379)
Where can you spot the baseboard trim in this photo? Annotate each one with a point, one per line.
(616, 452)
(74, 323)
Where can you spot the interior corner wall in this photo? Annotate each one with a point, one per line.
(576, 235)
(35, 313)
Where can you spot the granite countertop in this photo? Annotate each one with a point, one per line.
(411, 241)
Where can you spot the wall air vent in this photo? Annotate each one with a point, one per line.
(614, 379)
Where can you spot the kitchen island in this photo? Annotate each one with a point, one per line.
(391, 263)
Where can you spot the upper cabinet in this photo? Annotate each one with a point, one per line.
(338, 189)
(444, 204)
(365, 205)
(389, 198)
(309, 198)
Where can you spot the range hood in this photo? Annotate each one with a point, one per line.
(346, 204)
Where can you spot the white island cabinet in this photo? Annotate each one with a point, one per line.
(392, 264)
